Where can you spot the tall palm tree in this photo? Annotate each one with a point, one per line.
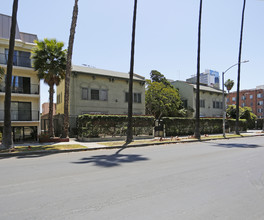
(239, 64)
(49, 59)
(68, 70)
(229, 84)
(130, 96)
(7, 141)
(197, 116)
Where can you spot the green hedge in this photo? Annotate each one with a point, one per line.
(186, 126)
(112, 125)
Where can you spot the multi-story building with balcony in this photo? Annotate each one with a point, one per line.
(25, 97)
(253, 98)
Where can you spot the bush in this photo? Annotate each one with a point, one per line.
(112, 125)
(186, 126)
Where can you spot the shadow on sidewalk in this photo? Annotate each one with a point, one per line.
(111, 160)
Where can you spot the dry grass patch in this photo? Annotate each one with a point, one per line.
(43, 148)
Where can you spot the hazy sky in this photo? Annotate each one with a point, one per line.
(166, 35)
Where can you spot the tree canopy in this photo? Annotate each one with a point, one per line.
(162, 99)
(49, 60)
(229, 84)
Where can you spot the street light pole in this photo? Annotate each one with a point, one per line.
(223, 90)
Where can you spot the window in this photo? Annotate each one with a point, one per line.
(251, 103)
(217, 104)
(259, 95)
(227, 100)
(260, 110)
(243, 97)
(202, 103)
(104, 95)
(20, 84)
(21, 111)
(20, 58)
(185, 103)
(136, 97)
(94, 94)
(84, 93)
(233, 99)
(260, 102)
(243, 104)
(251, 96)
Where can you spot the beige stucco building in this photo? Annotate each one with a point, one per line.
(210, 98)
(25, 98)
(100, 91)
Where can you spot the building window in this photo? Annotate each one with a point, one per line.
(251, 103)
(243, 97)
(227, 100)
(84, 93)
(202, 103)
(185, 103)
(233, 99)
(259, 95)
(94, 94)
(136, 97)
(243, 104)
(217, 104)
(104, 95)
(260, 102)
(251, 96)
(260, 110)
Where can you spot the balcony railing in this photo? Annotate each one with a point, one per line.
(18, 60)
(21, 115)
(32, 89)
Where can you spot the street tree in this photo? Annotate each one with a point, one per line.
(239, 65)
(49, 59)
(68, 70)
(229, 84)
(156, 76)
(197, 115)
(129, 137)
(162, 100)
(7, 141)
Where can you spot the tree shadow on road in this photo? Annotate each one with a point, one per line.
(111, 160)
(233, 145)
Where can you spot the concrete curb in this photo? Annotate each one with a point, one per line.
(43, 152)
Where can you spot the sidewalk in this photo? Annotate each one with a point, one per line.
(85, 146)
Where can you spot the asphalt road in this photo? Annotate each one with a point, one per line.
(209, 180)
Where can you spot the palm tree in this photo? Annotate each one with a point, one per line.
(7, 141)
(130, 96)
(239, 64)
(197, 116)
(229, 84)
(68, 70)
(49, 59)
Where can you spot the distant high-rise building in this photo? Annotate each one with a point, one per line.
(209, 77)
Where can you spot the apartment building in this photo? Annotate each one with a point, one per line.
(253, 98)
(98, 91)
(211, 103)
(25, 97)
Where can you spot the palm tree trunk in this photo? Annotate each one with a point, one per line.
(130, 95)
(197, 116)
(7, 141)
(68, 70)
(238, 73)
(51, 92)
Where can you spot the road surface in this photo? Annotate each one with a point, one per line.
(209, 180)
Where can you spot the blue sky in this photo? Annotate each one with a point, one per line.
(166, 35)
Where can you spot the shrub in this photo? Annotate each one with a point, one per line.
(112, 125)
